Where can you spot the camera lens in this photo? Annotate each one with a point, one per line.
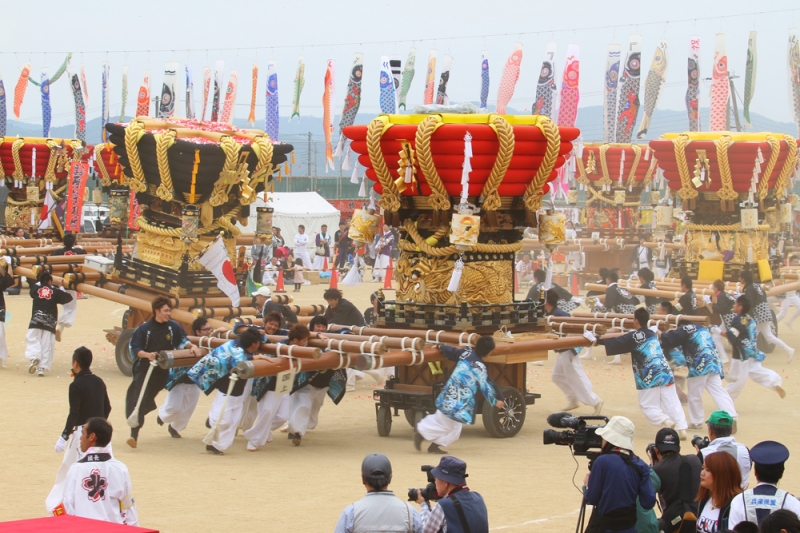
(413, 494)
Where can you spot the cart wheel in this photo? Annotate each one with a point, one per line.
(384, 416)
(123, 352)
(413, 416)
(506, 422)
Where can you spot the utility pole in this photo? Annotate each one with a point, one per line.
(731, 77)
(309, 157)
(156, 102)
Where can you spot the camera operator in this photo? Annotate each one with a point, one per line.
(459, 509)
(379, 509)
(618, 477)
(720, 429)
(675, 478)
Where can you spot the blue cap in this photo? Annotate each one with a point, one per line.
(769, 452)
(451, 469)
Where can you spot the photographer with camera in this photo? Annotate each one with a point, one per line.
(458, 509)
(679, 476)
(379, 509)
(455, 405)
(655, 383)
(617, 478)
(720, 429)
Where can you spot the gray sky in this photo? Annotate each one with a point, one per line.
(196, 33)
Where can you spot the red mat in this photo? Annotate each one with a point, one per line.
(68, 524)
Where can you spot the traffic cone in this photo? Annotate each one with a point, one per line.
(516, 283)
(279, 283)
(325, 265)
(334, 279)
(575, 287)
(387, 278)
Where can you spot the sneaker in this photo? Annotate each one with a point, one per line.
(40, 371)
(780, 391)
(434, 448)
(131, 442)
(34, 364)
(615, 361)
(417, 441)
(598, 407)
(668, 424)
(296, 438)
(211, 449)
(159, 421)
(173, 432)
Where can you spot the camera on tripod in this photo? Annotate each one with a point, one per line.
(581, 436)
(429, 492)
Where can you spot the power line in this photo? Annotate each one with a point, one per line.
(420, 40)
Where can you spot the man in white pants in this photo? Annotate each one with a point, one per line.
(742, 335)
(322, 241)
(383, 253)
(273, 402)
(568, 372)
(309, 396)
(213, 372)
(455, 405)
(705, 369)
(88, 398)
(791, 299)
(655, 383)
(301, 246)
(41, 336)
(182, 392)
(762, 313)
(67, 318)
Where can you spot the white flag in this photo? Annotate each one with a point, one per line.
(49, 204)
(217, 262)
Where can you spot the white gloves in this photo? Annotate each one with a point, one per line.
(590, 336)
(61, 445)
(707, 300)
(715, 330)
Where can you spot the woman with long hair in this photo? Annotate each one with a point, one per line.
(720, 482)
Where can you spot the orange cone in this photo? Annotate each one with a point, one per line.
(575, 287)
(334, 279)
(387, 278)
(516, 282)
(279, 283)
(325, 265)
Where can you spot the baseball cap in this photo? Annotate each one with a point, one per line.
(769, 452)
(376, 464)
(451, 469)
(720, 418)
(618, 431)
(262, 291)
(667, 440)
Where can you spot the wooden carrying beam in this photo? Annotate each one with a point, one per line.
(650, 292)
(431, 335)
(625, 323)
(262, 368)
(270, 348)
(672, 319)
(178, 358)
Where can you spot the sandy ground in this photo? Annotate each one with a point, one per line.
(179, 487)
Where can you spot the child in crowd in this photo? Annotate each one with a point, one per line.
(298, 274)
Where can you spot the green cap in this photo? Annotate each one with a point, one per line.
(720, 418)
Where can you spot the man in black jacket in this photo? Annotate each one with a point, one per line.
(341, 311)
(666, 462)
(158, 333)
(88, 398)
(459, 508)
(687, 303)
(41, 336)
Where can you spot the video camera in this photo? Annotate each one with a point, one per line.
(580, 436)
(429, 492)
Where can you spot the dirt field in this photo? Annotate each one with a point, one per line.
(179, 487)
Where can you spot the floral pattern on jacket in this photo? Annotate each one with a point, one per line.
(457, 399)
(217, 364)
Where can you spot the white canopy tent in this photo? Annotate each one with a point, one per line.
(293, 209)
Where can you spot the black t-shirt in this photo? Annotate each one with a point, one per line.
(668, 471)
(45, 306)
